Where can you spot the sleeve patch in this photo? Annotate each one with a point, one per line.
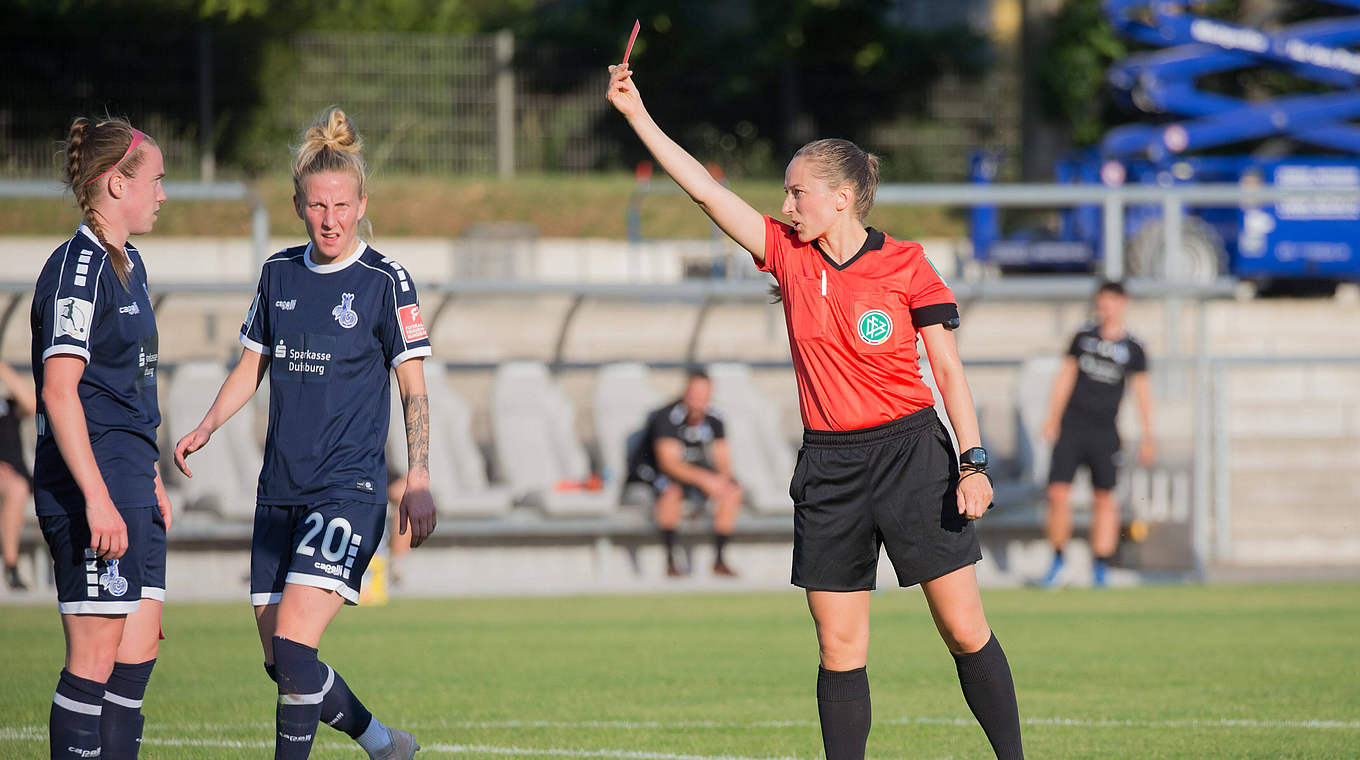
(74, 316)
(412, 328)
(250, 315)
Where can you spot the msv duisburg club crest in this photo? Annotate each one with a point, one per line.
(344, 313)
(116, 584)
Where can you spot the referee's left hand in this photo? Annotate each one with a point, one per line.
(975, 496)
(417, 511)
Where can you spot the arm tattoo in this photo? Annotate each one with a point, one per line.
(417, 432)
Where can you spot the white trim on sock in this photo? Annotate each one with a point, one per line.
(66, 703)
(121, 701)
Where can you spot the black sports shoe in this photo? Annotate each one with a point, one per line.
(12, 578)
(722, 569)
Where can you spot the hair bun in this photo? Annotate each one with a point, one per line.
(335, 131)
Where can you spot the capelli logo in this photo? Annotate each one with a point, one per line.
(288, 305)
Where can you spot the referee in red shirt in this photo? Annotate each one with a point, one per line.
(877, 467)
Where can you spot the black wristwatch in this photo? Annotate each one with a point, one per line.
(974, 457)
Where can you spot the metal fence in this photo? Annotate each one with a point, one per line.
(427, 103)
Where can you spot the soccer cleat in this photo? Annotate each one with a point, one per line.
(402, 747)
(1098, 578)
(15, 582)
(1051, 580)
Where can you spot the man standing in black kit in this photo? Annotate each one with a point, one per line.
(1081, 418)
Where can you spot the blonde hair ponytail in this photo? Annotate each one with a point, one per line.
(331, 144)
(840, 162)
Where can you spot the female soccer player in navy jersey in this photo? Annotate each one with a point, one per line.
(329, 319)
(877, 467)
(100, 501)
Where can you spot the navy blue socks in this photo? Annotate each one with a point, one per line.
(843, 706)
(298, 674)
(73, 725)
(987, 687)
(340, 709)
(121, 725)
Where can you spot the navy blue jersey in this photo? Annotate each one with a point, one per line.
(331, 332)
(81, 309)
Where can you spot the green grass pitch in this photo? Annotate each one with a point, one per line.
(1162, 672)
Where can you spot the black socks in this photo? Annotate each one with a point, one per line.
(843, 706)
(719, 543)
(987, 687)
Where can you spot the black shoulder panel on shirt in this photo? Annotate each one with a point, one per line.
(946, 314)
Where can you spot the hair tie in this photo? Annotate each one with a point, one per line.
(137, 137)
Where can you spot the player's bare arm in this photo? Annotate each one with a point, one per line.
(1062, 391)
(66, 417)
(236, 390)
(1142, 396)
(24, 395)
(975, 493)
(670, 459)
(162, 498)
(735, 216)
(417, 505)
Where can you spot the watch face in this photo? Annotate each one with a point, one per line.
(975, 456)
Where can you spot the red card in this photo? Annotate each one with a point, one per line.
(631, 38)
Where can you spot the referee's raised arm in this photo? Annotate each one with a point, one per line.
(735, 216)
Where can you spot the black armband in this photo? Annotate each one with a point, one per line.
(946, 314)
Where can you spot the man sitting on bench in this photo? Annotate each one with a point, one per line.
(683, 455)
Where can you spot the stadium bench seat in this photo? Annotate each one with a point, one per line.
(762, 460)
(458, 480)
(226, 471)
(623, 397)
(536, 445)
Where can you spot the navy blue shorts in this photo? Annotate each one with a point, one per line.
(327, 545)
(90, 586)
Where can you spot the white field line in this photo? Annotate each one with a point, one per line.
(19, 732)
(34, 733)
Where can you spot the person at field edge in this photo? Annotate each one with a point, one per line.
(328, 321)
(1081, 425)
(877, 466)
(99, 497)
(683, 456)
(16, 482)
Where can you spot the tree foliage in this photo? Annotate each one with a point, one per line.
(739, 82)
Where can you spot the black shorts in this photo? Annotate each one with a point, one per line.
(327, 545)
(893, 486)
(1077, 445)
(692, 492)
(90, 586)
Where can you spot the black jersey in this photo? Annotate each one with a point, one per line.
(672, 421)
(80, 308)
(331, 331)
(1102, 368)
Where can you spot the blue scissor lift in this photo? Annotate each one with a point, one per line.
(1314, 238)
